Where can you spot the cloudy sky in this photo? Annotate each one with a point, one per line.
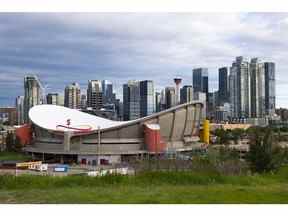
(65, 47)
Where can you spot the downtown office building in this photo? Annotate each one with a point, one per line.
(33, 94)
(138, 99)
(72, 96)
(252, 88)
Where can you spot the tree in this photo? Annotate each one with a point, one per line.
(222, 136)
(237, 134)
(9, 141)
(264, 154)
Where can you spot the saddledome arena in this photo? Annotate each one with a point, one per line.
(74, 135)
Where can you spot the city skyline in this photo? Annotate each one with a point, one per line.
(113, 47)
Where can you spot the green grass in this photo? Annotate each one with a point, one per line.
(14, 156)
(200, 194)
(152, 187)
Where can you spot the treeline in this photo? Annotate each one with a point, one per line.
(265, 154)
(226, 136)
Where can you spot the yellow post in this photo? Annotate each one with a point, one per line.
(206, 132)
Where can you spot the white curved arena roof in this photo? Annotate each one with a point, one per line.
(59, 118)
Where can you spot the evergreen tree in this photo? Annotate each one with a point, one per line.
(264, 154)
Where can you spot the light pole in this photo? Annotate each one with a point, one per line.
(99, 141)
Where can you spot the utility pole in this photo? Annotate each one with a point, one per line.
(99, 141)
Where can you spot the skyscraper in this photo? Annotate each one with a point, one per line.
(107, 88)
(212, 103)
(223, 91)
(52, 98)
(257, 88)
(72, 96)
(95, 94)
(252, 88)
(270, 103)
(170, 97)
(200, 80)
(146, 97)
(83, 101)
(240, 91)
(131, 100)
(20, 110)
(157, 101)
(177, 81)
(186, 94)
(162, 100)
(33, 94)
(233, 91)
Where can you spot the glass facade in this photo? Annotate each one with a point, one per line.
(33, 94)
(200, 80)
(131, 100)
(223, 85)
(107, 88)
(186, 94)
(257, 89)
(270, 103)
(147, 97)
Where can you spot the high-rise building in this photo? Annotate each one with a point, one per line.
(240, 91)
(223, 90)
(186, 94)
(131, 100)
(233, 92)
(33, 94)
(252, 89)
(170, 97)
(270, 104)
(222, 113)
(20, 110)
(212, 103)
(177, 82)
(119, 109)
(52, 98)
(72, 96)
(95, 94)
(146, 97)
(200, 80)
(157, 101)
(83, 101)
(162, 100)
(61, 99)
(257, 88)
(107, 89)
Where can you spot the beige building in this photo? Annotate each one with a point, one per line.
(72, 96)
